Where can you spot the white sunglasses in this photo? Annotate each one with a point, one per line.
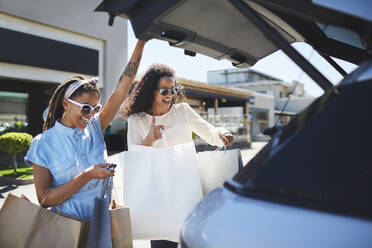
(86, 108)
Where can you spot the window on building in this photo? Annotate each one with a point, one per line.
(262, 116)
(233, 78)
(280, 94)
(13, 111)
(240, 77)
(249, 77)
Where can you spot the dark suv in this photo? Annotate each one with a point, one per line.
(311, 185)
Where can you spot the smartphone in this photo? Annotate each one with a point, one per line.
(111, 167)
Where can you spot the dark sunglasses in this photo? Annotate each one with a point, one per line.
(165, 91)
(86, 108)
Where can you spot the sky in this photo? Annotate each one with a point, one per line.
(277, 64)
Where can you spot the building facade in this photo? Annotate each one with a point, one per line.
(256, 81)
(261, 113)
(276, 101)
(44, 42)
(222, 107)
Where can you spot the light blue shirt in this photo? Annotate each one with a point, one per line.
(66, 152)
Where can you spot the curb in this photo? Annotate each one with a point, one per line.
(15, 181)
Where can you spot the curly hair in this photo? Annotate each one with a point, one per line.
(142, 95)
(56, 109)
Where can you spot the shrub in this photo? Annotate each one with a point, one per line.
(14, 143)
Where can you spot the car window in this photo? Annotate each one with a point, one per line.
(342, 34)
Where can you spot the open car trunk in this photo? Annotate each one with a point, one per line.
(205, 27)
(216, 29)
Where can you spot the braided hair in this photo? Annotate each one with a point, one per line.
(142, 96)
(56, 109)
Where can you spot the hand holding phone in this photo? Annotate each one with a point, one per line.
(111, 167)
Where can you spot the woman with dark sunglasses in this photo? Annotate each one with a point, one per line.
(69, 157)
(155, 106)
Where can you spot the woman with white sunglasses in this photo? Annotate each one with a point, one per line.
(69, 157)
(155, 106)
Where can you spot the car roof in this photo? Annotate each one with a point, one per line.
(216, 29)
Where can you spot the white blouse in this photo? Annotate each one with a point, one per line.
(179, 123)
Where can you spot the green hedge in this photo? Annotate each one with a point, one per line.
(15, 142)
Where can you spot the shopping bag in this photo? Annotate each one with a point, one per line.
(215, 167)
(121, 229)
(100, 227)
(24, 224)
(160, 186)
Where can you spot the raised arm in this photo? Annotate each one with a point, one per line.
(125, 81)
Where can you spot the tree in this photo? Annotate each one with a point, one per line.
(14, 143)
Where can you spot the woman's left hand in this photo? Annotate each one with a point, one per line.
(227, 139)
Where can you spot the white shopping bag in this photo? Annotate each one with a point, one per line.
(215, 167)
(160, 186)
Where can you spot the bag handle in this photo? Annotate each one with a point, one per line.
(162, 131)
(116, 197)
(106, 188)
(220, 148)
(45, 197)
